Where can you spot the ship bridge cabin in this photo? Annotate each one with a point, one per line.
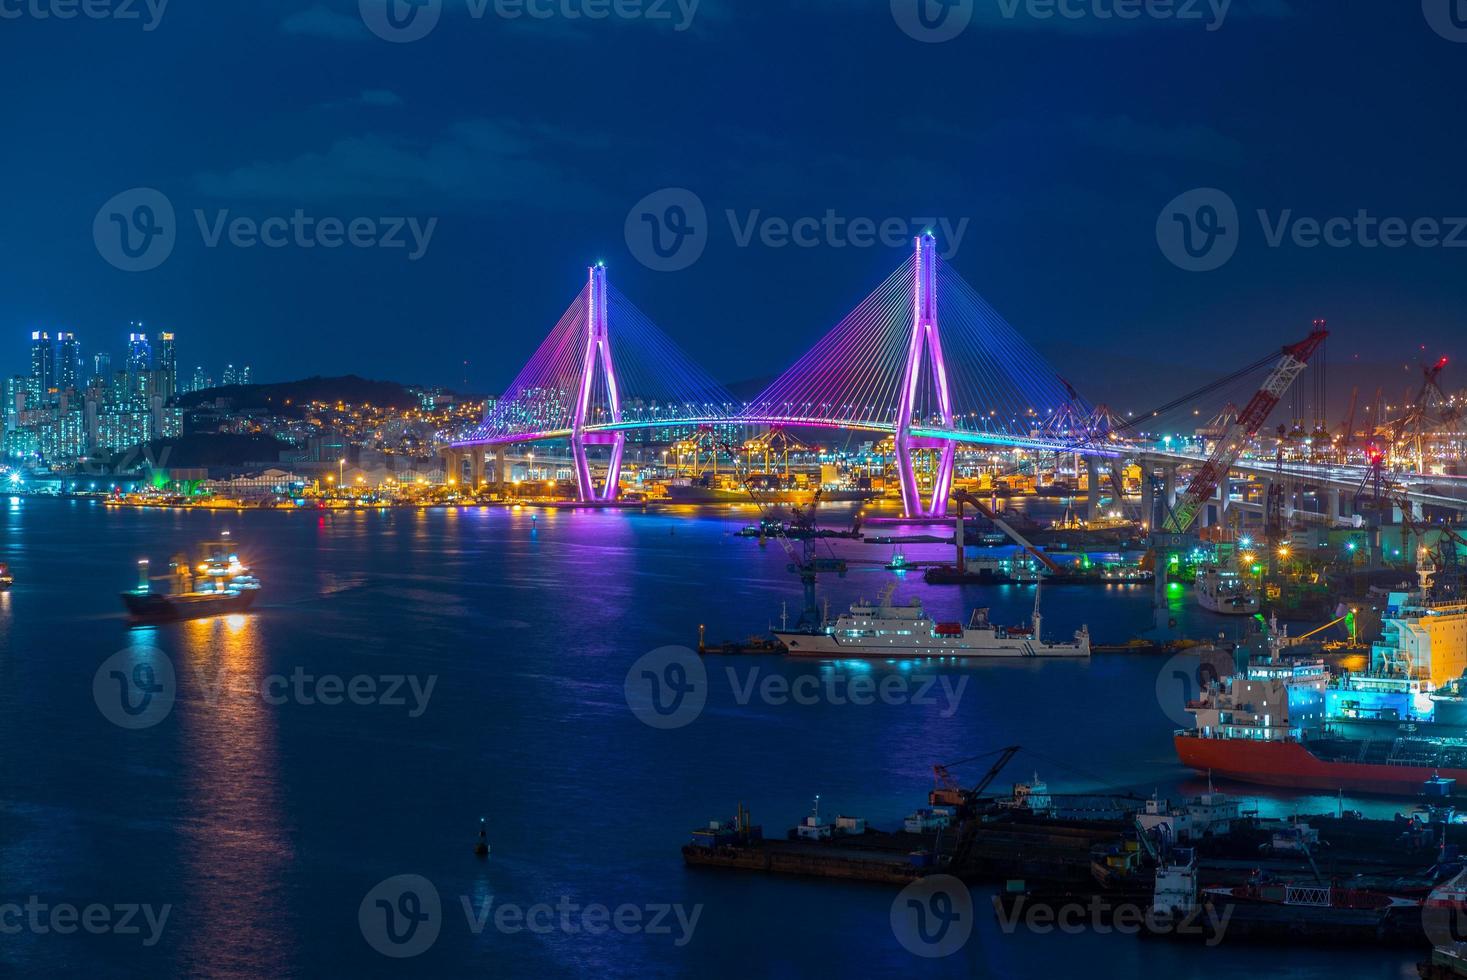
(1423, 641)
(1272, 701)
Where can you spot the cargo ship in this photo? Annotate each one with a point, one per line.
(156, 607)
(1397, 729)
(886, 630)
(218, 596)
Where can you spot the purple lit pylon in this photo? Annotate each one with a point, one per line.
(926, 348)
(598, 349)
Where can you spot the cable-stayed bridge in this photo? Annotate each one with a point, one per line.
(923, 360)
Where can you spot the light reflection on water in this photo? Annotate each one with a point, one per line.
(267, 824)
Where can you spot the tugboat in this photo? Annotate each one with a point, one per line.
(146, 606)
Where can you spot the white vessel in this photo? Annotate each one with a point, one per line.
(886, 630)
(1222, 590)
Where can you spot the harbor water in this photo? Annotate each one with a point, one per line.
(406, 673)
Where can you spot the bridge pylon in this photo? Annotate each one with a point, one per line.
(597, 351)
(925, 352)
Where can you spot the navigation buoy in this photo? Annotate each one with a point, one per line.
(481, 847)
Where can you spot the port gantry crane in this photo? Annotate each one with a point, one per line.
(1432, 409)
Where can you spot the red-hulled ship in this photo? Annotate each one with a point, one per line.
(1390, 731)
(1309, 765)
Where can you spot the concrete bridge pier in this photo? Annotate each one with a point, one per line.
(476, 468)
(1148, 496)
(1092, 482)
(1170, 473)
(453, 464)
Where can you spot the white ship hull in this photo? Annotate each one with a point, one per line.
(1234, 605)
(973, 644)
(1224, 592)
(884, 630)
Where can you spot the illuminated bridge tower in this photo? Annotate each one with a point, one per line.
(925, 357)
(597, 351)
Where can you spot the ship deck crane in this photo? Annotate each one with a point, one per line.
(948, 792)
(970, 821)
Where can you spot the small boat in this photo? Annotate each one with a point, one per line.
(1222, 590)
(6, 579)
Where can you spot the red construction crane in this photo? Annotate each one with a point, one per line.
(1232, 443)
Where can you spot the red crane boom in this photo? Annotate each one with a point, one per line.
(1232, 442)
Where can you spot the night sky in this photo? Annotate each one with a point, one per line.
(1060, 140)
